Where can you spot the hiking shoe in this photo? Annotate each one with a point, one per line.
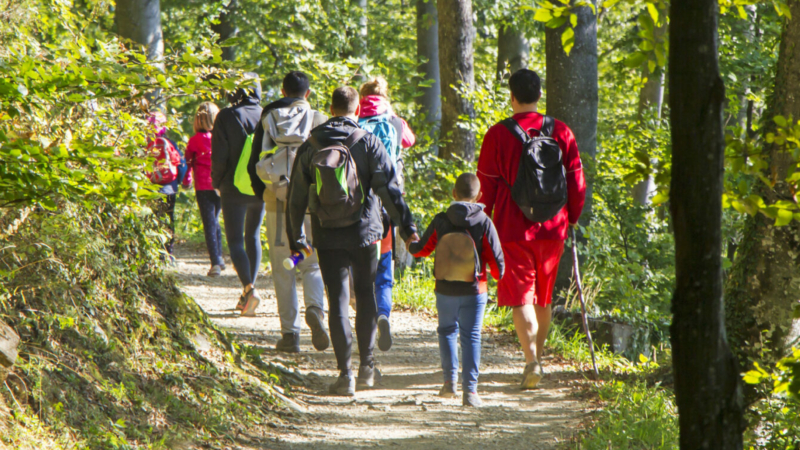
(319, 335)
(471, 399)
(344, 385)
(240, 305)
(448, 390)
(532, 375)
(251, 303)
(367, 376)
(215, 271)
(384, 333)
(222, 266)
(289, 343)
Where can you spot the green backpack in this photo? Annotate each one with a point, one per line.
(241, 179)
(337, 197)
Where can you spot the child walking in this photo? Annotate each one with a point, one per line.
(465, 241)
(198, 157)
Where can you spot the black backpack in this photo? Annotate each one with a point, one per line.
(337, 197)
(540, 190)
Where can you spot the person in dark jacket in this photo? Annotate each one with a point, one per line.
(461, 303)
(354, 245)
(243, 212)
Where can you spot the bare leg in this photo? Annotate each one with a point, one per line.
(527, 326)
(543, 316)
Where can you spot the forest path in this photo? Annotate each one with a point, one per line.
(402, 410)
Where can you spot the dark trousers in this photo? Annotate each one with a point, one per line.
(335, 266)
(208, 202)
(243, 215)
(167, 212)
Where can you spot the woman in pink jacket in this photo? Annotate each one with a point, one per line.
(198, 157)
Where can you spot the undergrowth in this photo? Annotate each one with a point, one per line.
(113, 355)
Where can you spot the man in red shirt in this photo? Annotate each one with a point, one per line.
(532, 250)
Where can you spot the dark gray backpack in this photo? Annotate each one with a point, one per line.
(540, 189)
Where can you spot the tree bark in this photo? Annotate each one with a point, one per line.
(226, 29)
(764, 284)
(707, 382)
(140, 21)
(513, 50)
(428, 57)
(571, 96)
(456, 35)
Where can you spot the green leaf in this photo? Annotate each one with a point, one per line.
(568, 39)
(784, 217)
(22, 89)
(742, 12)
(557, 22)
(780, 121)
(651, 8)
(573, 20)
(542, 15)
(636, 59)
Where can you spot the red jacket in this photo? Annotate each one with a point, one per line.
(497, 169)
(198, 157)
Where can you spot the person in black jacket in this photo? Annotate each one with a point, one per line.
(461, 303)
(354, 245)
(243, 212)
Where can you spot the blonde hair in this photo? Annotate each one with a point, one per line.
(204, 118)
(376, 86)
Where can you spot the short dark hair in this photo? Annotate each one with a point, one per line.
(344, 100)
(467, 186)
(295, 84)
(526, 86)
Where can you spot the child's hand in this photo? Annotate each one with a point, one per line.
(413, 238)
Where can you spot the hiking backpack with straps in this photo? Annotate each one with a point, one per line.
(540, 189)
(274, 168)
(456, 257)
(382, 127)
(167, 163)
(337, 196)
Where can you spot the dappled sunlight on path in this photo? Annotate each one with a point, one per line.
(402, 410)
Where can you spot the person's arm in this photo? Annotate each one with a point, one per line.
(297, 198)
(492, 252)
(408, 138)
(383, 179)
(576, 183)
(191, 153)
(219, 151)
(488, 170)
(425, 246)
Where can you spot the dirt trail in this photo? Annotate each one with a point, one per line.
(402, 410)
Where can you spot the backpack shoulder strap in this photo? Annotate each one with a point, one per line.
(354, 137)
(548, 125)
(513, 126)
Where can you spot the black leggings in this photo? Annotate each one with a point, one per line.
(209, 204)
(243, 215)
(167, 211)
(335, 267)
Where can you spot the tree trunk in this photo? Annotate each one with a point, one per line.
(428, 57)
(360, 39)
(140, 21)
(707, 384)
(456, 35)
(764, 284)
(226, 29)
(513, 50)
(571, 96)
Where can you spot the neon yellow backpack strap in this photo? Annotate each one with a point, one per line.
(241, 179)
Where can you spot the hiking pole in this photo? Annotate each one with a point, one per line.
(580, 295)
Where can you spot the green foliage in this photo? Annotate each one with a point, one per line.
(778, 411)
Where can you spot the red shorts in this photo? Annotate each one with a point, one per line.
(531, 269)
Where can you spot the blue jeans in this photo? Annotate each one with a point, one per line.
(461, 315)
(384, 280)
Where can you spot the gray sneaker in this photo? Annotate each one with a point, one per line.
(471, 399)
(215, 271)
(532, 375)
(367, 375)
(384, 333)
(252, 300)
(289, 343)
(448, 390)
(319, 335)
(344, 385)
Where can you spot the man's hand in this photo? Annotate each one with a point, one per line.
(413, 238)
(217, 191)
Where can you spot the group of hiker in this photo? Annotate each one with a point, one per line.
(332, 190)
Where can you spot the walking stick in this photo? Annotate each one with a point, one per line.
(580, 295)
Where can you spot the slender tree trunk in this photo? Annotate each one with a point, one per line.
(456, 35)
(513, 50)
(226, 29)
(764, 284)
(140, 21)
(428, 57)
(571, 96)
(360, 39)
(707, 384)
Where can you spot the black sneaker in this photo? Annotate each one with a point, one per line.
(471, 399)
(367, 376)
(289, 343)
(384, 333)
(344, 385)
(319, 335)
(448, 390)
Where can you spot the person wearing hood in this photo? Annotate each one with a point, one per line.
(242, 210)
(465, 241)
(378, 118)
(285, 124)
(346, 231)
